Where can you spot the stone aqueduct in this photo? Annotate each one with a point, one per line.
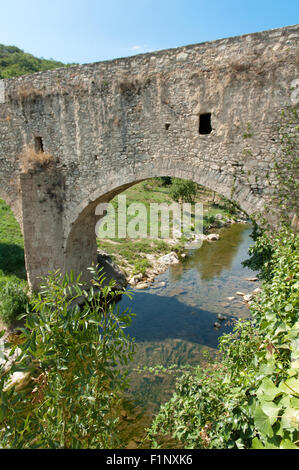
(208, 112)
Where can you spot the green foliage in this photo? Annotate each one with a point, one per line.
(13, 301)
(250, 398)
(141, 266)
(183, 190)
(13, 288)
(261, 256)
(287, 167)
(230, 207)
(163, 180)
(74, 357)
(14, 62)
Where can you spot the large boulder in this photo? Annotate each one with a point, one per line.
(111, 270)
(170, 258)
(212, 236)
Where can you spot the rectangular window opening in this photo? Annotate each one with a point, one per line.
(205, 123)
(38, 144)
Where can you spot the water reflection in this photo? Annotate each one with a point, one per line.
(214, 257)
(164, 318)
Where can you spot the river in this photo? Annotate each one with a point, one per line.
(175, 318)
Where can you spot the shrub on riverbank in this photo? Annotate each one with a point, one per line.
(73, 356)
(249, 399)
(13, 301)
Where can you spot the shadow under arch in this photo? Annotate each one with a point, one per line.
(80, 238)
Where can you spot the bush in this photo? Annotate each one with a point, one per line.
(13, 301)
(73, 355)
(261, 256)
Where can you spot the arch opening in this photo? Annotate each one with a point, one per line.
(82, 244)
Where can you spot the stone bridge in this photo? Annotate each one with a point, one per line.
(208, 112)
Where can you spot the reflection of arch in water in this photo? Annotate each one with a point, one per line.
(160, 318)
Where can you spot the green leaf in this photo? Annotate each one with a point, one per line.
(257, 444)
(262, 422)
(290, 418)
(290, 386)
(287, 444)
(267, 390)
(271, 410)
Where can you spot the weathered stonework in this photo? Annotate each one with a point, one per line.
(112, 124)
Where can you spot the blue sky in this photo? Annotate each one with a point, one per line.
(94, 30)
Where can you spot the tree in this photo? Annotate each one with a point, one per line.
(183, 190)
(14, 62)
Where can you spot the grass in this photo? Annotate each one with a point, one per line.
(12, 261)
(13, 284)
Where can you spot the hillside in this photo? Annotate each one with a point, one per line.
(15, 62)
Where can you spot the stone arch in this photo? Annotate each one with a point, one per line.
(80, 239)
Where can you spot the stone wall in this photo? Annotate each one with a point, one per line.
(111, 124)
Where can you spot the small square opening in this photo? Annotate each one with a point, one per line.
(167, 126)
(205, 123)
(38, 144)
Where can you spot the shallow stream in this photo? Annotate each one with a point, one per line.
(175, 317)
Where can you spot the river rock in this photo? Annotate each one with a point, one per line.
(240, 293)
(217, 325)
(134, 280)
(256, 291)
(221, 317)
(247, 297)
(159, 284)
(212, 237)
(141, 285)
(111, 270)
(230, 298)
(150, 257)
(251, 279)
(170, 258)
